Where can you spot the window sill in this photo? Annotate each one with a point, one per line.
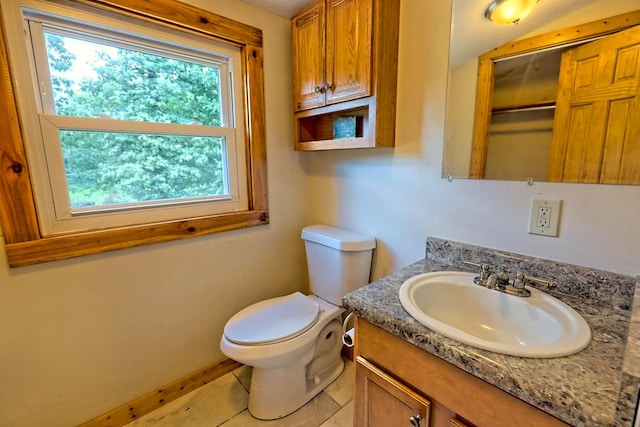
(73, 245)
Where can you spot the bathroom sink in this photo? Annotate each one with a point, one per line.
(537, 326)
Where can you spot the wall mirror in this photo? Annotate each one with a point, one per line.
(554, 98)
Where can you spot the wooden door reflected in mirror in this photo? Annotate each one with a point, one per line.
(538, 130)
(596, 136)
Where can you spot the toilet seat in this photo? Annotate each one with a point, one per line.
(274, 320)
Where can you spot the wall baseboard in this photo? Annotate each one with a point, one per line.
(128, 412)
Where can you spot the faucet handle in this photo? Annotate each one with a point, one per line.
(475, 264)
(484, 267)
(484, 272)
(521, 278)
(550, 284)
(519, 282)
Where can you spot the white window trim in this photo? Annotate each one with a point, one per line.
(55, 220)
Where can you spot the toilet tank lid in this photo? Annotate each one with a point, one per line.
(338, 238)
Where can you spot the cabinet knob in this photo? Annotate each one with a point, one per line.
(414, 420)
(322, 89)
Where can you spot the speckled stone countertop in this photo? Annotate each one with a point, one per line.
(596, 387)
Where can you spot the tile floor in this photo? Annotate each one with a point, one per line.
(223, 402)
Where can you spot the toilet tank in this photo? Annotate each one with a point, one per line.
(339, 261)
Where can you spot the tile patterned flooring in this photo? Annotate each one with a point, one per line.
(223, 402)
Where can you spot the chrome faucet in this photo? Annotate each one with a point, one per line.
(501, 282)
(502, 278)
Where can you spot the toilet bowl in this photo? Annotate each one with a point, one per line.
(294, 342)
(288, 372)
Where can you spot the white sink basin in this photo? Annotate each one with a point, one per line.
(538, 326)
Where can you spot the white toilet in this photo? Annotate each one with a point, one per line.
(294, 342)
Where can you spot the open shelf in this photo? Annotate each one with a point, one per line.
(315, 129)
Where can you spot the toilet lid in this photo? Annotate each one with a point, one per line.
(273, 320)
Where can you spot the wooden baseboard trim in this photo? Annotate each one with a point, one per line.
(126, 413)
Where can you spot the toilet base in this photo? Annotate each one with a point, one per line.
(277, 392)
(270, 403)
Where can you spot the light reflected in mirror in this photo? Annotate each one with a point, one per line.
(514, 113)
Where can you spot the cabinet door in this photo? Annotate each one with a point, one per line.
(382, 401)
(349, 49)
(308, 44)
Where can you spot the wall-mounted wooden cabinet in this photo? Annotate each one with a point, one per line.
(332, 53)
(345, 55)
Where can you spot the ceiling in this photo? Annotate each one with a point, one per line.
(284, 8)
(473, 34)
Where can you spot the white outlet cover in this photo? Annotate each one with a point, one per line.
(554, 217)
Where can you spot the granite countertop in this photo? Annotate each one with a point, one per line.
(585, 389)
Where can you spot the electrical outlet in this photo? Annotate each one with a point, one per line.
(545, 217)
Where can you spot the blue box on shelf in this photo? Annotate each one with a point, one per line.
(344, 127)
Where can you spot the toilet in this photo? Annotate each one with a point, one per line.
(294, 342)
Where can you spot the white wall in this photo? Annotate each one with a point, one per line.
(398, 196)
(82, 336)
(79, 337)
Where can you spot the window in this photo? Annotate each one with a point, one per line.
(132, 126)
(134, 131)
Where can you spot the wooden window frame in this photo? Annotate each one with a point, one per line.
(24, 241)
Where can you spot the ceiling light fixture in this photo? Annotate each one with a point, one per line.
(509, 11)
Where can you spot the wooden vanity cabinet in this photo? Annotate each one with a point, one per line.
(455, 422)
(453, 398)
(386, 401)
(345, 55)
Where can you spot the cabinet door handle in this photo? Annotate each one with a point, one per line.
(414, 420)
(317, 89)
(327, 87)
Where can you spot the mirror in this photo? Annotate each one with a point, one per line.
(505, 118)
